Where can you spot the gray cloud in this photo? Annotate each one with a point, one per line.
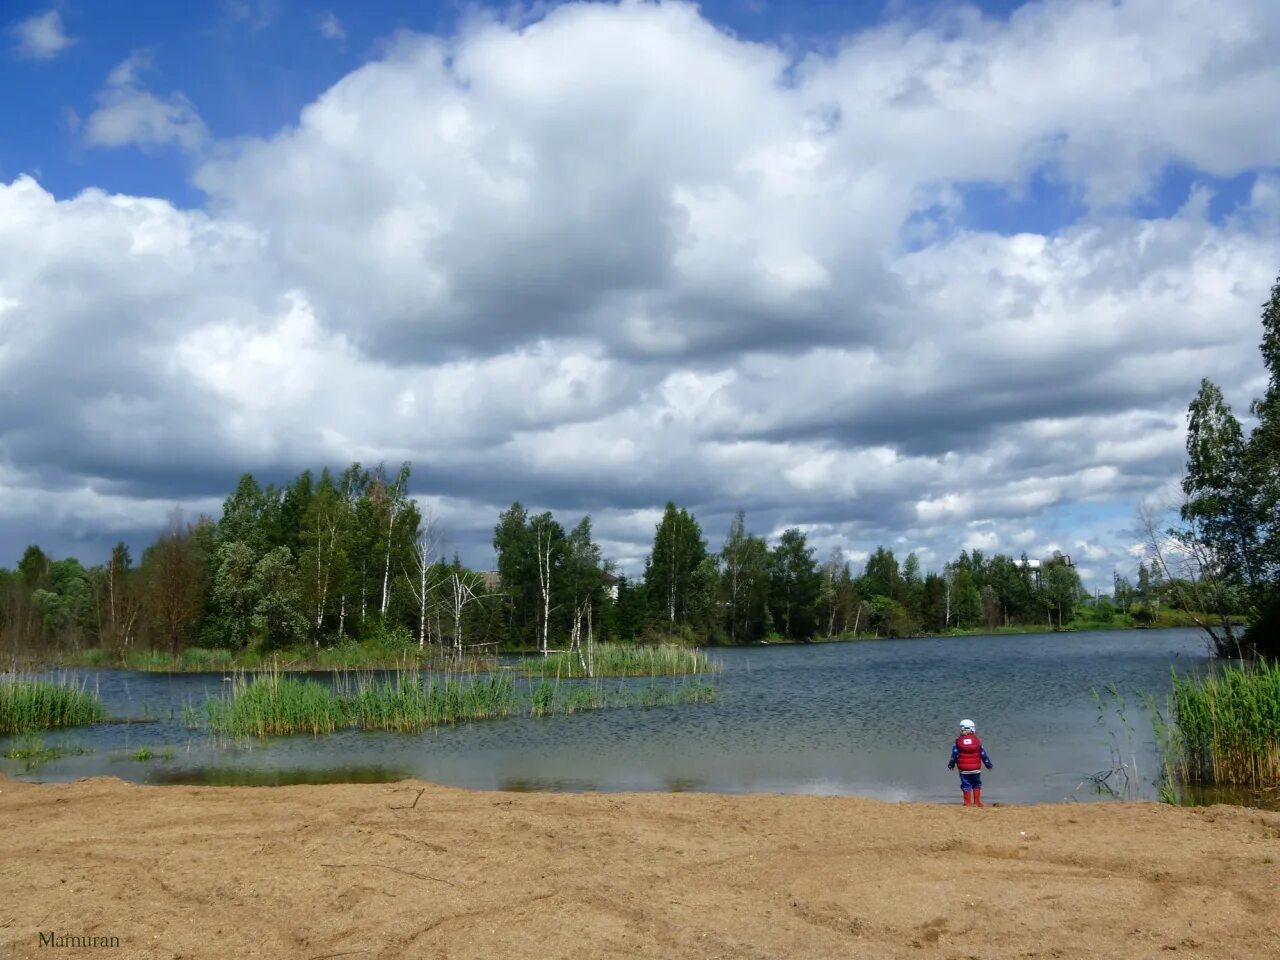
(617, 256)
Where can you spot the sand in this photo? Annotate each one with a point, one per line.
(416, 870)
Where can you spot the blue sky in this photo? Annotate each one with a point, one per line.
(920, 274)
(250, 66)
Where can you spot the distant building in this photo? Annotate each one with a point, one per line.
(1037, 567)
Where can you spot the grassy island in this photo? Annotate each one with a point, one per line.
(28, 705)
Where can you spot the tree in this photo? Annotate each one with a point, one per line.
(1219, 505)
(912, 586)
(795, 586)
(394, 505)
(678, 550)
(1062, 589)
(235, 592)
(424, 577)
(173, 571)
(119, 598)
(277, 616)
(880, 576)
(744, 583)
(583, 585)
(732, 556)
(629, 610)
(1263, 454)
(33, 568)
(549, 550)
(517, 573)
(323, 539)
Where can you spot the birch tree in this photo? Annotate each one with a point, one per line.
(548, 541)
(424, 575)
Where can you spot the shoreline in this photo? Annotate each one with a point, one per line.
(416, 869)
(411, 659)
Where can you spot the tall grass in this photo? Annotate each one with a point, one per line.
(619, 660)
(407, 704)
(274, 703)
(1227, 727)
(28, 705)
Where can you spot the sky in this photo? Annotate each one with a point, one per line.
(924, 275)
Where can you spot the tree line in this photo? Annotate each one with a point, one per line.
(349, 557)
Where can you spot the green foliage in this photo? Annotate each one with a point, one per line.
(273, 704)
(677, 557)
(744, 583)
(33, 752)
(1228, 726)
(795, 586)
(28, 705)
(615, 660)
(277, 617)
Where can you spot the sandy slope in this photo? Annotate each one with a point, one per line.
(361, 871)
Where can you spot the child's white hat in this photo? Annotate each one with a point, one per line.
(967, 725)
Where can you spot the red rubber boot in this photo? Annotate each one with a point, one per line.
(967, 795)
(977, 796)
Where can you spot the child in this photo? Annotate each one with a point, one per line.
(969, 754)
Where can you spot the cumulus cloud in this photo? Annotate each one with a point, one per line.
(616, 255)
(129, 114)
(41, 36)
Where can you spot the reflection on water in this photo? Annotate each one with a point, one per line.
(1242, 796)
(260, 777)
(684, 785)
(869, 718)
(544, 785)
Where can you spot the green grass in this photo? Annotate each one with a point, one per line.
(548, 697)
(407, 704)
(32, 750)
(620, 660)
(1226, 727)
(142, 754)
(275, 703)
(29, 705)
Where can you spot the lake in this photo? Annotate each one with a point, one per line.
(870, 718)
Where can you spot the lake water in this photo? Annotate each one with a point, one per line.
(870, 718)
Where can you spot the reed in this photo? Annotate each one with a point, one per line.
(274, 703)
(1227, 727)
(29, 705)
(406, 704)
(620, 660)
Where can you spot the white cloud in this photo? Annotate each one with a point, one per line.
(618, 256)
(331, 28)
(42, 36)
(129, 114)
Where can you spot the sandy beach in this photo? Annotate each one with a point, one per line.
(416, 870)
